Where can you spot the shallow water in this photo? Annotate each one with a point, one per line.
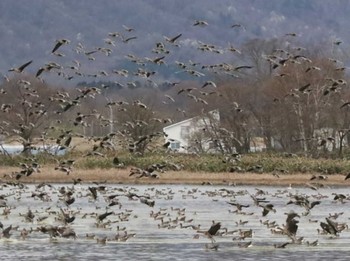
(199, 205)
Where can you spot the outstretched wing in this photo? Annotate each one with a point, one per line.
(214, 229)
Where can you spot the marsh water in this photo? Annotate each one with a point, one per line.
(173, 228)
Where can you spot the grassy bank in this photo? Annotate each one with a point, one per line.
(251, 163)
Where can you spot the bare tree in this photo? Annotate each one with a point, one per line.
(140, 125)
(26, 109)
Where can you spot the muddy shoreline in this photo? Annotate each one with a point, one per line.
(121, 176)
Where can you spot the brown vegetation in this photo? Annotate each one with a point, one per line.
(121, 176)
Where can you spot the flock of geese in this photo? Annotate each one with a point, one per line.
(40, 109)
(163, 48)
(105, 214)
(163, 51)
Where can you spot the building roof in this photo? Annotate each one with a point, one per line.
(178, 123)
(187, 120)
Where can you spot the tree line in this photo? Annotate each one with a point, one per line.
(296, 99)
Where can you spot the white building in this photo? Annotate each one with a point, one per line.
(178, 134)
(182, 133)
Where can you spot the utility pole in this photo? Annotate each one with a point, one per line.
(111, 127)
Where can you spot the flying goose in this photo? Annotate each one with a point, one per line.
(173, 39)
(21, 68)
(291, 224)
(330, 227)
(128, 29)
(59, 43)
(200, 23)
(213, 230)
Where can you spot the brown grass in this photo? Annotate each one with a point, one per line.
(48, 174)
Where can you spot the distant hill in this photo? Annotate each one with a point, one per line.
(29, 29)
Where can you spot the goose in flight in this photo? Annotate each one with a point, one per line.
(267, 208)
(125, 40)
(209, 83)
(291, 224)
(128, 29)
(21, 68)
(330, 227)
(213, 230)
(237, 26)
(291, 34)
(173, 39)
(200, 23)
(347, 176)
(59, 43)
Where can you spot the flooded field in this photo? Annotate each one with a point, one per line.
(120, 222)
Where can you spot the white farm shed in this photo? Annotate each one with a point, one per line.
(178, 133)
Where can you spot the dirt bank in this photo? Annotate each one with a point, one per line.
(48, 174)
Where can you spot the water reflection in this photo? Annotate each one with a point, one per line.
(17, 149)
(169, 229)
